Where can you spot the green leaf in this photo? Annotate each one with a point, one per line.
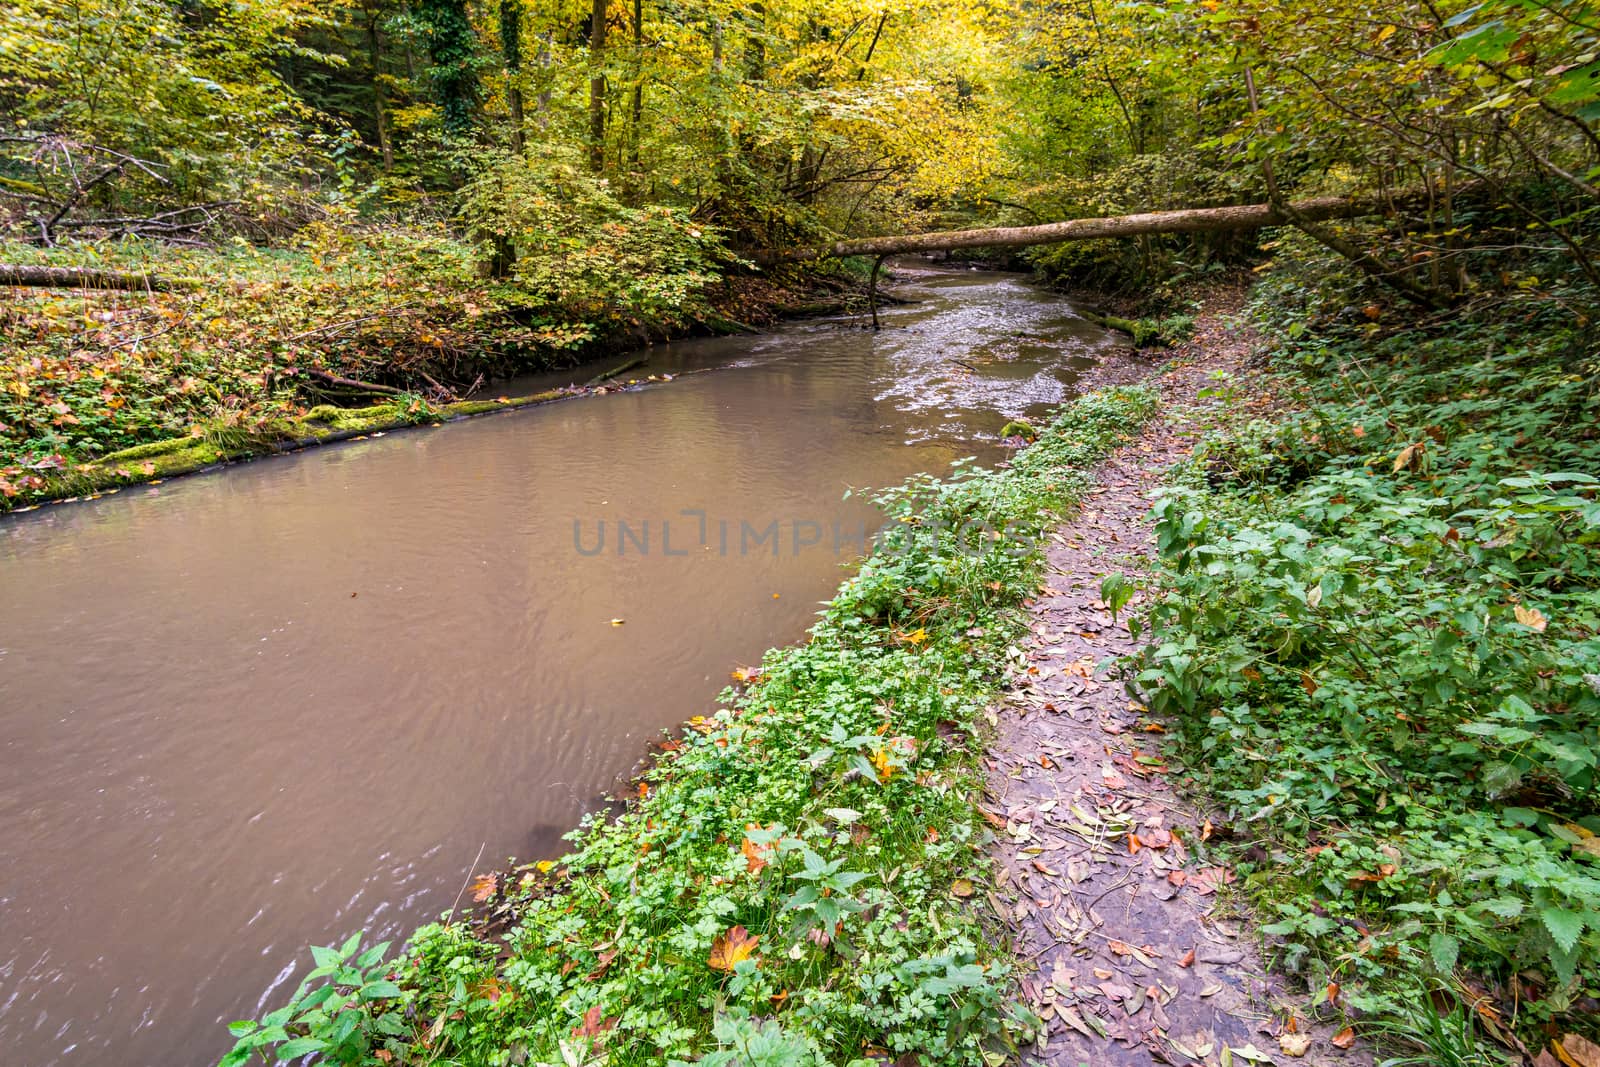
(325, 957)
(1505, 907)
(379, 990)
(372, 955)
(243, 1027)
(1565, 926)
(1445, 950)
(300, 1046)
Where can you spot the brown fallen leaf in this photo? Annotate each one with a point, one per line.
(1408, 456)
(1576, 1051)
(484, 887)
(1344, 1038)
(1188, 960)
(593, 1025)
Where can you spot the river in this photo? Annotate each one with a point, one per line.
(269, 706)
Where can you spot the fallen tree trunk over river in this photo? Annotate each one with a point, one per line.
(1188, 220)
(88, 278)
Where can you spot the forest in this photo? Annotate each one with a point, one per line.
(1363, 651)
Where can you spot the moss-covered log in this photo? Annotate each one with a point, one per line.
(31, 276)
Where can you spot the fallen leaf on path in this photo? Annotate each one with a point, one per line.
(1188, 960)
(1294, 1045)
(1344, 1038)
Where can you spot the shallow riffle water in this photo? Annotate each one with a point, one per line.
(277, 704)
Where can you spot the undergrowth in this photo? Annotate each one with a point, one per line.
(1378, 636)
(789, 884)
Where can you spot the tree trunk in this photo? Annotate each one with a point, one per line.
(89, 278)
(1189, 220)
(380, 111)
(637, 109)
(452, 72)
(511, 52)
(541, 104)
(597, 87)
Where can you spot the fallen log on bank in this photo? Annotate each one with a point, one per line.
(89, 278)
(1187, 220)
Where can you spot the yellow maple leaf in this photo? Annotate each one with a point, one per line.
(729, 949)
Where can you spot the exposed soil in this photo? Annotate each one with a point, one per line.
(1134, 948)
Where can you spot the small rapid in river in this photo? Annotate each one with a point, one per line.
(244, 712)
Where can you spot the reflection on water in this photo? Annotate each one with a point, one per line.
(247, 711)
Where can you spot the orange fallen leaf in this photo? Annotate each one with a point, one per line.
(1532, 618)
(732, 948)
(485, 887)
(1344, 1038)
(755, 856)
(1188, 960)
(1385, 870)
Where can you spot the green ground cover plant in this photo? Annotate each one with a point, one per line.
(1378, 635)
(792, 881)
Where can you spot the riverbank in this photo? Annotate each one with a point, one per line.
(796, 873)
(345, 332)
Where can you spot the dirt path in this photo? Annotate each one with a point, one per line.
(1131, 945)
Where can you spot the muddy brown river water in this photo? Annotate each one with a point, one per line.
(270, 706)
